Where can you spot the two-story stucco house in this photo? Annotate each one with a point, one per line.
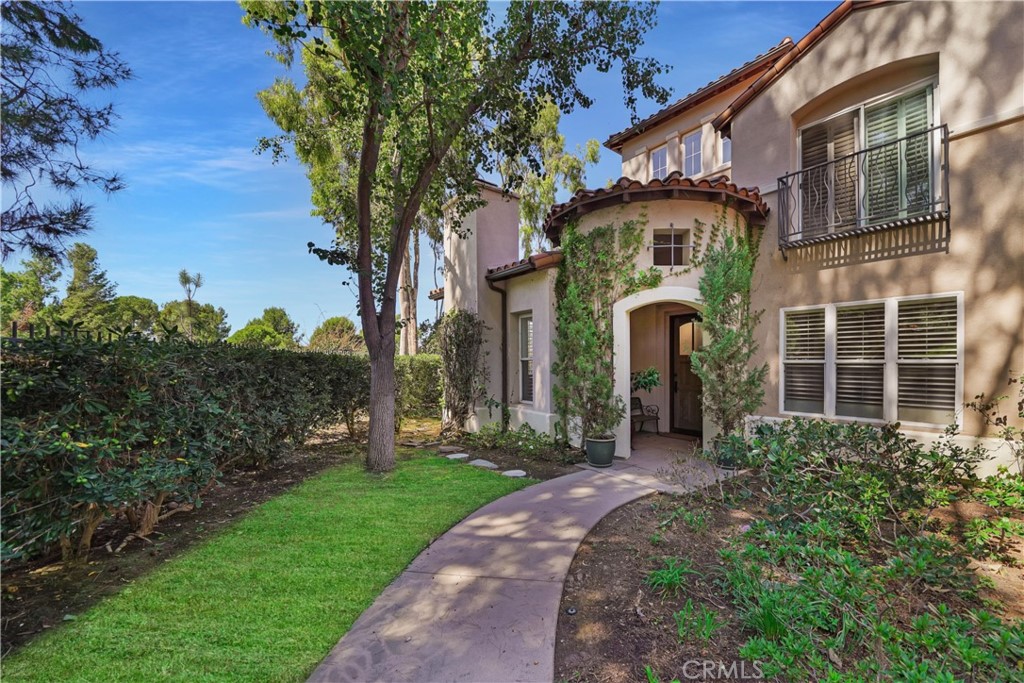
(883, 156)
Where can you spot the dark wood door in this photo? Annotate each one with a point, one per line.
(686, 415)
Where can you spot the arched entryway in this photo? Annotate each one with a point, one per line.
(649, 329)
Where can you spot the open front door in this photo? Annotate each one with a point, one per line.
(686, 415)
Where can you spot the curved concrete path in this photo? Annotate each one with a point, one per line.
(481, 603)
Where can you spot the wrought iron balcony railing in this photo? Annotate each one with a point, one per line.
(897, 183)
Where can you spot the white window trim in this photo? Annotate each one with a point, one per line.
(522, 378)
(890, 400)
(650, 162)
(699, 132)
(859, 133)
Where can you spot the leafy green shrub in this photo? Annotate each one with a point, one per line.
(827, 579)
(420, 390)
(856, 476)
(92, 429)
(992, 538)
(460, 336)
(699, 622)
(670, 578)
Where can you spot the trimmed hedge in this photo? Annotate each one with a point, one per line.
(95, 429)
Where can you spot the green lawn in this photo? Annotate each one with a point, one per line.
(267, 598)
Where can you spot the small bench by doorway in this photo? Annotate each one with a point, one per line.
(640, 415)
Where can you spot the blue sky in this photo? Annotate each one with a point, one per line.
(198, 197)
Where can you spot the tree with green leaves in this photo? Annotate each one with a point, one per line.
(51, 69)
(559, 169)
(89, 292)
(732, 389)
(273, 330)
(136, 313)
(277, 319)
(337, 335)
(405, 103)
(191, 284)
(206, 322)
(29, 295)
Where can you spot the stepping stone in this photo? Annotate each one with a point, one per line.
(457, 456)
(513, 473)
(448, 449)
(486, 464)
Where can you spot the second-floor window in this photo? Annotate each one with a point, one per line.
(868, 166)
(726, 151)
(659, 162)
(691, 154)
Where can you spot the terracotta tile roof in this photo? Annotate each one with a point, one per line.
(719, 190)
(530, 264)
(802, 47)
(436, 294)
(757, 65)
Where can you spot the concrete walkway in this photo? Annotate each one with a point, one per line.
(481, 603)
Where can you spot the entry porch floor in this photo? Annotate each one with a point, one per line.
(663, 463)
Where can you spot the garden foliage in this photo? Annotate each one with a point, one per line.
(848, 577)
(732, 388)
(461, 336)
(96, 429)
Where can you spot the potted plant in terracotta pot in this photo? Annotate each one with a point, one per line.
(600, 440)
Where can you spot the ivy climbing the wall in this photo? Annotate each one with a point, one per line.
(598, 268)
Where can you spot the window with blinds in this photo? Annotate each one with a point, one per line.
(897, 176)
(526, 358)
(860, 361)
(895, 360)
(804, 361)
(927, 360)
(828, 186)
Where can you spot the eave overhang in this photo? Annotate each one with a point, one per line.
(746, 201)
(531, 264)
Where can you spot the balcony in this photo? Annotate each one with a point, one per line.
(894, 184)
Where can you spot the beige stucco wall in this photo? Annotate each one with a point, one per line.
(976, 53)
(490, 238)
(530, 294)
(635, 153)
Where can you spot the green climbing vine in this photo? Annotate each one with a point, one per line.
(598, 268)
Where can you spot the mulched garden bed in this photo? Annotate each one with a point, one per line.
(612, 625)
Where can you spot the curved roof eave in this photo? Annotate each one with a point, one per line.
(746, 201)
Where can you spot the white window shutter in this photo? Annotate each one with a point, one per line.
(860, 361)
(928, 355)
(804, 361)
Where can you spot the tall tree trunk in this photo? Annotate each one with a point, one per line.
(414, 318)
(380, 456)
(408, 292)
